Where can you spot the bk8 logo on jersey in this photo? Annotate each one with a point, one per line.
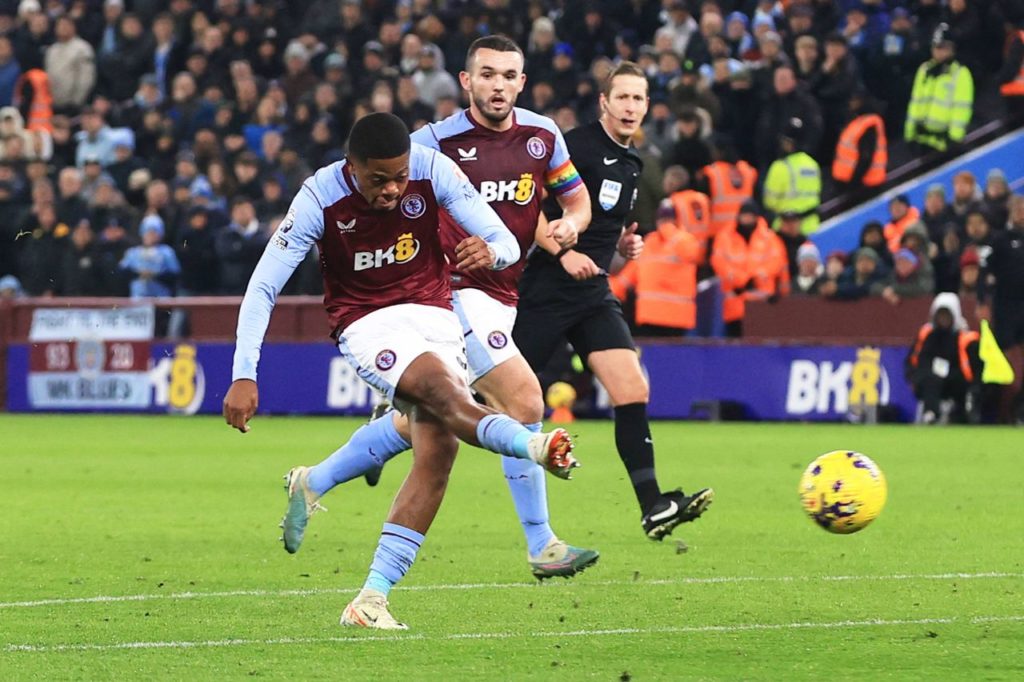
(402, 251)
(520, 191)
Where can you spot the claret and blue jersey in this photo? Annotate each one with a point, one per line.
(370, 259)
(509, 168)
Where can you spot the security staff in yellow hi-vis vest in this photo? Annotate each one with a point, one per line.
(942, 100)
(793, 183)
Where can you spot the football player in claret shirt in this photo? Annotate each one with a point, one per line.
(374, 219)
(509, 154)
(564, 294)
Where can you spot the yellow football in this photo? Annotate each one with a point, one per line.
(843, 491)
(560, 394)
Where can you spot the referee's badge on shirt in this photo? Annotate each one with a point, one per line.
(609, 194)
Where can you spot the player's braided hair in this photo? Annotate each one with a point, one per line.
(378, 136)
(623, 69)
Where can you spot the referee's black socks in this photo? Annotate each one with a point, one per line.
(636, 448)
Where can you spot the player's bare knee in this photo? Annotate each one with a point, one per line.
(527, 408)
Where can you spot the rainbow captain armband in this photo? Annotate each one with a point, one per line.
(564, 179)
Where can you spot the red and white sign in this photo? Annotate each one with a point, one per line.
(83, 358)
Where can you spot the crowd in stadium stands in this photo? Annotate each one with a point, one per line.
(150, 148)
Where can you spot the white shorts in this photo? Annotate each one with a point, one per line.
(487, 326)
(382, 345)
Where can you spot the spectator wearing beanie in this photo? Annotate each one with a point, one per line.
(859, 278)
(835, 265)
(995, 200)
(908, 279)
(937, 213)
(809, 271)
(690, 150)
(685, 92)
(970, 269)
(741, 44)
(152, 266)
(430, 78)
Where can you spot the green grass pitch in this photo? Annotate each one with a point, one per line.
(147, 548)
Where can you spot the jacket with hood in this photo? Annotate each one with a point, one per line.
(28, 139)
(955, 348)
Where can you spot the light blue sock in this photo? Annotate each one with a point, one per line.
(504, 435)
(528, 485)
(369, 447)
(395, 555)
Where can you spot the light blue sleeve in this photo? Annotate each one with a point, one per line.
(300, 229)
(456, 194)
(171, 264)
(425, 136)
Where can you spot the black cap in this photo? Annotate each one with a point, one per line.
(750, 206)
(794, 128)
(942, 36)
(789, 215)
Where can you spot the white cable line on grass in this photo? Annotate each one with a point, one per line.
(358, 637)
(103, 599)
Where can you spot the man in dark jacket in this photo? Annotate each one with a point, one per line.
(786, 102)
(239, 247)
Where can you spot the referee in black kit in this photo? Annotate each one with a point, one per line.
(564, 294)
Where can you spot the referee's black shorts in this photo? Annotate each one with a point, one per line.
(539, 332)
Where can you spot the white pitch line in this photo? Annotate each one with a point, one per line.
(357, 638)
(104, 599)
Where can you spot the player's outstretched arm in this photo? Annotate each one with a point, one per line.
(286, 250)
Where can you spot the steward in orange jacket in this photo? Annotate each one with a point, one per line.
(903, 216)
(862, 152)
(33, 99)
(665, 281)
(729, 185)
(750, 261)
(689, 210)
(1012, 76)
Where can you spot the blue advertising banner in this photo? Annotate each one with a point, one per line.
(771, 382)
(817, 383)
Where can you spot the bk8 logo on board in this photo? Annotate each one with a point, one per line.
(402, 251)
